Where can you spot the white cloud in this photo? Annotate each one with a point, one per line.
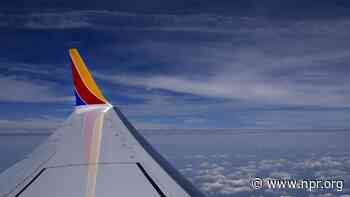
(323, 162)
(279, 68)
(21, 90)
(327, 195)
(150, 126)
(205, 164)
(329, 174)
(213, 178)
(234, 190)
(186, 170)
(45, 124)
(56, 21)
(280, 175)
(271, 164)
(47, 20)
(252, 88)
(224, 24)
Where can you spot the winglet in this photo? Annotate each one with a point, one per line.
(85, 89)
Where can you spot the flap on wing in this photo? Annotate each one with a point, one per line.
(92, 180)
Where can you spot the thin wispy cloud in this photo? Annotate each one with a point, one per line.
(198, 22)
(34, 125)
(21, 90)
(244, 89)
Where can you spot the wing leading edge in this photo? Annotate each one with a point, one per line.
(96, 153)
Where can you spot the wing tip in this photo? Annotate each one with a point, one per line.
(86, 90)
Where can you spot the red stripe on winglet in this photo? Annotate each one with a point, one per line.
(82, 90)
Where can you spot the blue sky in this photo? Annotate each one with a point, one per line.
(180, 64)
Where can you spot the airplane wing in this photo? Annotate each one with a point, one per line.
(96, 153)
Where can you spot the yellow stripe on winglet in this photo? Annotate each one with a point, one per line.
(85, 74)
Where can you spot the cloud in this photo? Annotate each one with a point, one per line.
(213, 177)
(212, 180)
(32, 83)
(257, 60)
(146, 125)
(46, 20)
(326, 161)
(278, 79)
(45, 124)
(100, 19)
(30, 91)
(280, 175)
(199, 22)
(331, 174)
(248, 87)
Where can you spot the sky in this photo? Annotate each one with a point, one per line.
(245, 64)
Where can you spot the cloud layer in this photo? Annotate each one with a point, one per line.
(218, 175)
